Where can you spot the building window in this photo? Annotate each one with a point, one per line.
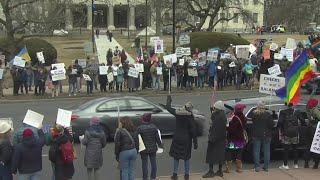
(236, 18)
(255, 17)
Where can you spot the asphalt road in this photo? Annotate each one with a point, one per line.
(17, 110)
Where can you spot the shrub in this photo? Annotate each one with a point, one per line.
(207, 40)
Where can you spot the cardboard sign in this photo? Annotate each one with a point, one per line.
(58, 74)
(243, 51)
(275, 70)
(274, 46)
(289, 54)
(133, 72)
(252, 48)
(213, 54)
(181, 62)
(158, 46)
(33, 119)
(184, 39)
(110, 77)
(1, 73)
(192, 72)
(58, 66)
(278, 56)
(40, 57)
(315, 146)
(18, 61)
(86, 77)
(170, 59)
(159, 70)
(139, 67)
(291, 44)
(225, 56)
(154, 39)
(103, 70)
(64, 118)
(266, 54)
(269, 84)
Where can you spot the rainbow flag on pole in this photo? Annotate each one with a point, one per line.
(24, 54)
(298, 73)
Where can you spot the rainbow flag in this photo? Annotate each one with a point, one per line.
(24, 54)
(298, 73)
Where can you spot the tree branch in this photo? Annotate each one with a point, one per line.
(21, 3)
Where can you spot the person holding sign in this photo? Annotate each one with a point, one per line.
(120, 78)
(54, 85)
(90, 74)
(27, 157)
(103, 81)
(6, 150)
(72, 78)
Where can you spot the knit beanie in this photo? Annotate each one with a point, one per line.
(312, 103)
(27, 133)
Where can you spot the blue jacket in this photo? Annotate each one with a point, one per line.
(211, 68)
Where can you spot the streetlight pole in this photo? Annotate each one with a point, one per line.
(173, 25)
(92, 30)
(128, 17)
(146, 43)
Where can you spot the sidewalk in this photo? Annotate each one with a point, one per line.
(273, 174)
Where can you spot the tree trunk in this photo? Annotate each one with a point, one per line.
(211, 26)
(158, 6)
(202, 21)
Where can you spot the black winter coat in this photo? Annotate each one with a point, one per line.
(6, 151)
(123, 142)
(27, 157)
(217, 138)
(184, 133)
(288, 123)
(262, 124)
(150, 137)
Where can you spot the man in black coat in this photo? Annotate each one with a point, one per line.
(216, 140)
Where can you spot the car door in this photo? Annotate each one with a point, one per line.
(108, 113)
(160, 117)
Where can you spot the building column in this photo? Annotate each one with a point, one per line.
(69, 19)
(89, 16)
(131, 18)
(111, 18)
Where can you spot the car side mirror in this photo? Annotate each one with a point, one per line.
(156, 110)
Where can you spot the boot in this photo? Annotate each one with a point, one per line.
(316, 164)
(219, 173)
(306, 164)
(174, 176)
(186, 177)
(239, 166)
(228, 167)
(209, 174)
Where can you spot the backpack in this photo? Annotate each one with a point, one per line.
(291, 125)
(67, 152)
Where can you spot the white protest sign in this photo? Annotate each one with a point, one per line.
(115, 70)
(275, 70)
(33, 119)
(133, 72)
(82, 63)
(186, 51)
(225, 56)
(291, 44)
(86, 77)
(64, 118)
(202, 55)
(110, 77)
(40, 57)
(289, 54)
(158, 46)
(273, 46)
(179, 51)
(170, 59)
(192, 72)
(159, 70)
(252, 48)
(283, 51)
(74, 71)
(213, 54)
(269, 84)
(202, 63)
(315, 146)
(1, 73)
(243, 51)
(232, 64)
(184, 39)
(103, 70)
(278, 56)
(154, 39)
(58, 66)
(139, 67)
(7, 120)
(181, 62)
(58, 74)
(18, 61)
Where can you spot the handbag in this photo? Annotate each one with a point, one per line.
(245, 134)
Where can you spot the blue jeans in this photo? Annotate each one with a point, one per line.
(201, 81)
(156, 82)
(153, 161)
(72, 88)
(5, 173)
(33, 176)
(30, 81)
(176, 166)
(127, 161)
(89, 87)
(256, 152)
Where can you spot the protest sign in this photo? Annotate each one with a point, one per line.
(273, 46)
(283, 51)
(252, 48)
(186, 51)
(58, 66)
(225, 56)
(18, 61)
(82, 63)
(86, 77)
(275, 70)
(170, 59)
(202, 63)
(266, 54)
(232, 64)
(213, 54)
(202, 55)
(269, 84)
(139, 67)
(192, 72)
(40, 57)
(103, 70)
(158, 46)
(291, 43)
(1, 73)
(184, 39)
(7, 120)
(278, 56)
(110, 77)
(33, 119)
(242, 51)
(315, 146)
(133, 72)
(159, 70)
(154, 39)
(289, 54)
(181, 62)
(58, 74)
(64, 118)
(179, 51)
(74, 71)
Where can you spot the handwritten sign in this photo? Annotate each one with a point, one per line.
(40, 57)
(192, 72)
(315, 146)
(159, 70)
(181, 62)
(133, 72)
(289, 54)
(58, 66)
(274, 46)
(213, 54)
(86, 77)
(33, 119)
(110, 77)
(82, 63)
(154, 39)
(252, 48)
(275, 70)
(269, 84)
(225, 56)
(103, 70)
(278, 56)
(58, 74)
(18, 61)
(184, 39)
(139, 67)
(64, 118)
(243, 51)
(170, 59)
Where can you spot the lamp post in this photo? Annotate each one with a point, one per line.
(128, 17)
(146, 43)
(92, 30)
(173, 25)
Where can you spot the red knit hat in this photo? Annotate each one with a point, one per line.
(312, 103)
(146, 118)
(239, 107)
(27, 133)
